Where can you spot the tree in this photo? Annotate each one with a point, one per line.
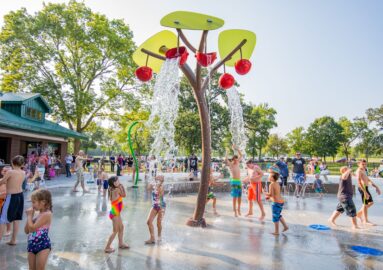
(297, 142)
(79, 60)
(371, 143)
(351, 131)
(259, 120)
(276, 145)
(376, 115)
(187, 123)
(324, 136)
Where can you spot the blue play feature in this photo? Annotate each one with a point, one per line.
(367, 250)
(319, 227)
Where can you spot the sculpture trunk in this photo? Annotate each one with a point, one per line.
(206, 156)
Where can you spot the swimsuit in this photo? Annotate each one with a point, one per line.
(276, 208)
(105, 184)
(299, 178)
(116, 208)
(210, 193)
(39, 240)
(365, 200)
(13, 208)
(236, 188)
(158, 202)
(254, 193)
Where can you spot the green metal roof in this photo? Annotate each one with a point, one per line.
(13, 121)
(21, 97)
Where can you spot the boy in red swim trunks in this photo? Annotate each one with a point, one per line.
(254, 193)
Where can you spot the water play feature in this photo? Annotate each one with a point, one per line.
(164, 108)
(234, 45)
(237, 125)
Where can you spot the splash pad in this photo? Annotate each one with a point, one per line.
(233, 44)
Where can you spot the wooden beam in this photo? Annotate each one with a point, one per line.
(155, 55)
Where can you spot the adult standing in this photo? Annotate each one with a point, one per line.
(68, 163)
(120, 160)
(299, 174)
(284, 169)
(112, 160)
(193, 161)
(79, 168)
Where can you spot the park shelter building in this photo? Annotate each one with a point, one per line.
(23, 127)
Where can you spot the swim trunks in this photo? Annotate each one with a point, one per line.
(236, 188)
(254, 193)
(276, 209)
(13, 208)
(283, 181)
(210, 193)
(318, 190)
(348, 206)
(299, 178)
(365, 200)
(105, 184)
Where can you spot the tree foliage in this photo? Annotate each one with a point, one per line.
(80, 61)
(276, 146)
(259, 120)
(324, 136)
(297, 141)
(352, 130)
(376, 115)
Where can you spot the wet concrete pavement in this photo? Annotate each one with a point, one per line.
(81, 226)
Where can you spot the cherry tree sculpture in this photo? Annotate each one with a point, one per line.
(235, 48)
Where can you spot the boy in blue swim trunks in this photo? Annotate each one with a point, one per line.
(274, 195)
(235, 180)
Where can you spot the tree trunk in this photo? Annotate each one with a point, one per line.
(260, 153)
(198, 219)
(76, 146)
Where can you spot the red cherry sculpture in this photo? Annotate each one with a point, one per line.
(144, 73)
(242, 66)
(226, 81)
(182, 52)
(206, 59)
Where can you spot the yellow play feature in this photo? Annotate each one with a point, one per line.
(229, 39)
(191, 21)
(154, 43)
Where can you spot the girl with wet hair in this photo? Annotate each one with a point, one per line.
(37, 228)
(116, 193)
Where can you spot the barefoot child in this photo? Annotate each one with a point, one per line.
(235, 181)
(345, 193)
(210, 192)
(104, 181)
(3, 195)
(277, 201)
(39, 244)
(158, 208)
(13, 207)
(363, 183)
(116, 192)
(255, 189)
(98, 179)
(318, 185)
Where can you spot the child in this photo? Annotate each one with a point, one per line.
(235, 181)
(13, 207)
(277, 201)
(158, 208)
(39, 244)
(99, 181)
(318, 185)
(363, 182)
(116, 192)
(91, 175)
(210, 192)
(345, 193)
(104, 181)
(255, 189)
(3, 194)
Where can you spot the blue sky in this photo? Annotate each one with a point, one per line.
(312, 58)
